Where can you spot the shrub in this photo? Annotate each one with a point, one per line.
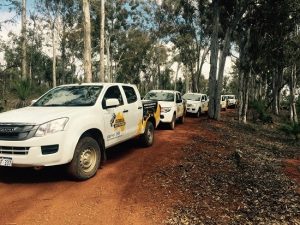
(291, 129)
(23, 91)
(259, 111)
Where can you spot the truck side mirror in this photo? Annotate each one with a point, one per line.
(111, 103)
(33, 101)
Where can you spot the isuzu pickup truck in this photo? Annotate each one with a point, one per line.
(196, 103)
(74, 125)
(172, 106)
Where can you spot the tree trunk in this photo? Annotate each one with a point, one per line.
(202, 60)
(54, 55)
(63, 55)
(222, 62)
(244, 108)
(102, 25)
(240, 95)
(176, 76)
(194, 85)
(213, 104)
(293, 109)
(87, 63)
(275, 92)
(108, 61)
(24, 49)
(187, 83)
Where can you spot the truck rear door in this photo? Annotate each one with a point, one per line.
(134, 108)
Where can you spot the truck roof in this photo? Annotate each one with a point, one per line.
(96, 84)
(167, 91)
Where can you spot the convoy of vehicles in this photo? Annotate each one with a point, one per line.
(172, 106)
(231, 100)
(196, 103)
(73, 125)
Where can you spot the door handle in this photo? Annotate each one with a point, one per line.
(140, 107)
(125, 111)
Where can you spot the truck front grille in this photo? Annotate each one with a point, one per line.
(16, 132)
(14, 150)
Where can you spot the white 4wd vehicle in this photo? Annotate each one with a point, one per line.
(231, 100)
(196, 103)
(73, 125)
(172, 106)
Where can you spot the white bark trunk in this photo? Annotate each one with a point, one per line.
(53, 55)
(213, 62)
(102, 25)
(24, 50)
(87, 63)
(108, 61)
(293, 109)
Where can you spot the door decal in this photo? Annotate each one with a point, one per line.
(118, 122)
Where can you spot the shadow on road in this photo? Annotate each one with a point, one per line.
(59, 173)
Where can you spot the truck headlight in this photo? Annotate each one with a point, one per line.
(51, 127)
(165, 109)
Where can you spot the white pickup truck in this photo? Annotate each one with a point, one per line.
(172, 106)
(74, 125)
(196, 103)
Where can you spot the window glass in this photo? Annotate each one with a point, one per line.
(179, 97)
(79, 95)
(160, 96)
(113, 92)
(189, 96)
(130, 94)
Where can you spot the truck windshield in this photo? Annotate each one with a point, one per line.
(192, 97)
(160, 96)
(70, 96)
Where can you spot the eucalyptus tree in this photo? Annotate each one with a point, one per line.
(185, 23)
(24, 45)
(226, 15)
(264, 51)
(87, 61)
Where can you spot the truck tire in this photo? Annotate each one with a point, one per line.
(86, 159)
(147, 137)
(198, 113)
(172, 124)
(181, 119)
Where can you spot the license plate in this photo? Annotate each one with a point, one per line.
(5, 161)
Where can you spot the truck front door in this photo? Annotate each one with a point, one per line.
(114, 120)
(179, 105)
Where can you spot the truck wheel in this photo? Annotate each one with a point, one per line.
(147, 137)
(198, 113)
(172, 124)
(181, 119)
(86, 159)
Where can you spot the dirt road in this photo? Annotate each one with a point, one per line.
(120, 193)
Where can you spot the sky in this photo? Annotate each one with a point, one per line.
(16, 28)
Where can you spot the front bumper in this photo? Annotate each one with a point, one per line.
(166, 117)
(191, 110)
(40, 151)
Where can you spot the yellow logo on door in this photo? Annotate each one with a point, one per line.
(119, 122)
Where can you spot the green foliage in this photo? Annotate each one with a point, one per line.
(23, 89)
(258, 108)
(291, 130)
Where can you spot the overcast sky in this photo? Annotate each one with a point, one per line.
(16, 28)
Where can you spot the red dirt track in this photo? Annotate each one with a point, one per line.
(118, 194)
(125, 190)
